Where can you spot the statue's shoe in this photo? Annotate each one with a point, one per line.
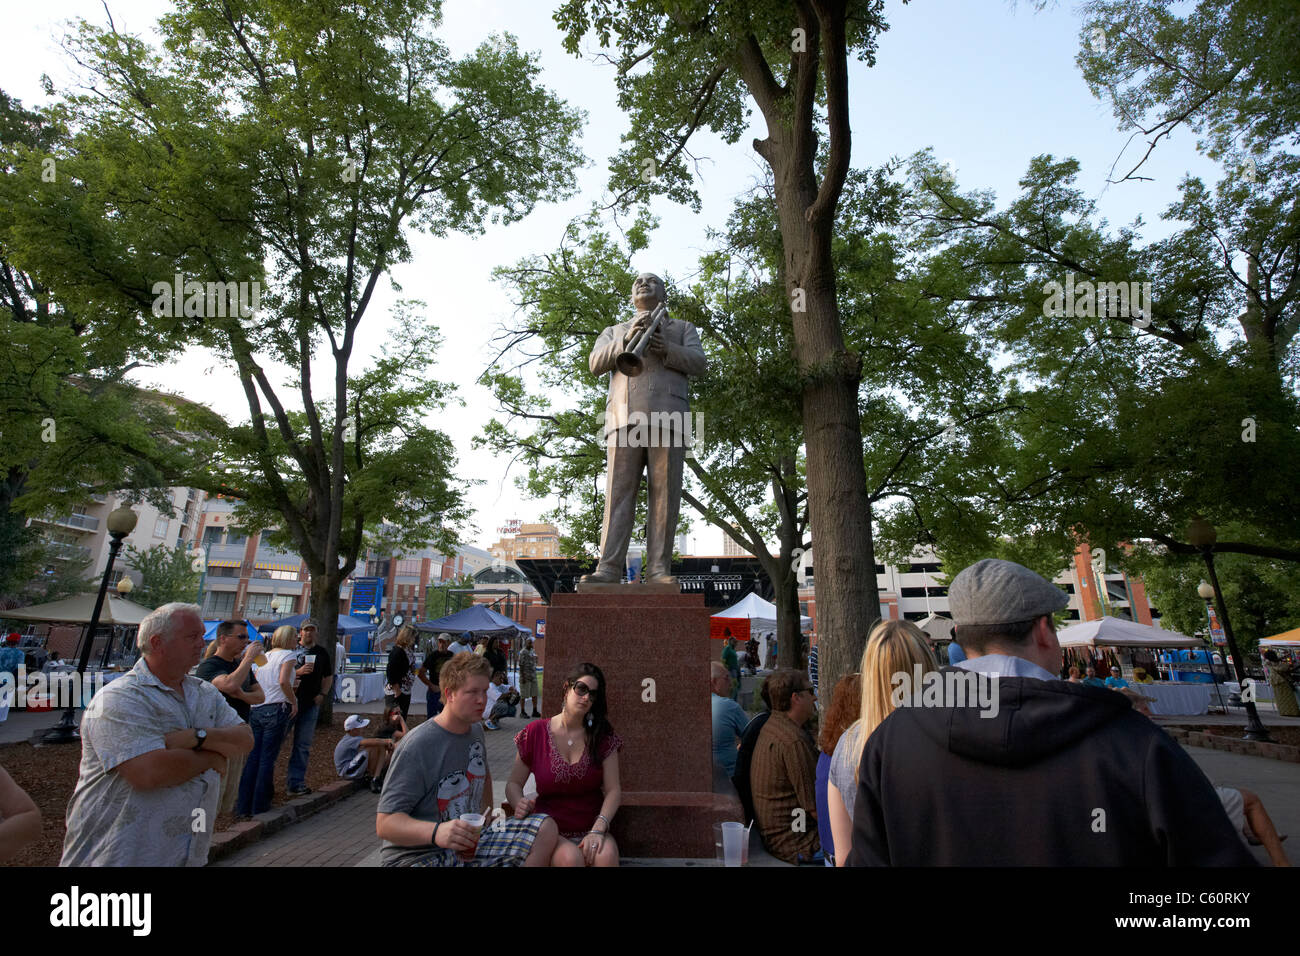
(600, 577)
(662, 577)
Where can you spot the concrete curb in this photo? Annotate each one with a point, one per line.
(263, 825)
(1197, 738)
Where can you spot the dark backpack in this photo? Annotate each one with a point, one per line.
(745, 757)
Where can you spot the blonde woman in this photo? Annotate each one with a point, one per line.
(893, 647)
(269, 721)
(400, 673)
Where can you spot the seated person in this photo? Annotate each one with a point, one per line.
(393, 726)
(783, 776)
(573, 757)
(502, 699)
(1252, 822)
(1115, 681)
(729, 719)
(745, 754)
(358, 758)
(1140, 676)
(439, 774)
(1092, 680)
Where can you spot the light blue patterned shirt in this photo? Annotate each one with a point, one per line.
(110, 823)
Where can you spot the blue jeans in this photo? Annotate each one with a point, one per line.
(433, 701)
(269, 723)
(304, 731)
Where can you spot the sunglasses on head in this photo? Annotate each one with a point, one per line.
(582, 690)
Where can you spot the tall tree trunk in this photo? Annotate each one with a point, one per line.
(325, 609)
(839, 507)
(788, 637)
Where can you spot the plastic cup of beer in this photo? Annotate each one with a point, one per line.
(260, 659)
(476, 821)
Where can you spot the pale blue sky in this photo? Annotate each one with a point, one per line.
(987, 84)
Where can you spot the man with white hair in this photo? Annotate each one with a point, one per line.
(154, 744)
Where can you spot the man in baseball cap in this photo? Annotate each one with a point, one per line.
(1056, 774)
(364, 758)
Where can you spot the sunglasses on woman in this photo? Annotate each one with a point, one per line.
(582, 690)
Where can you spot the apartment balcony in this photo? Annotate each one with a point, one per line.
(70, 552)
(226, 552)
(81, 522)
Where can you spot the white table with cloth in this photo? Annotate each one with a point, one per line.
(355, 687)
(1176, 698)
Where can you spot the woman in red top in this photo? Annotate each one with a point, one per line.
(574, 758)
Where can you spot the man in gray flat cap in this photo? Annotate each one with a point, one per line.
(1055, 774)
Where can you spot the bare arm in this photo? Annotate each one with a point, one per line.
(168, 768)
(20, 815)
(515, 789)
(227, 741)
(613, 791)
(286, 685)
(841, 823)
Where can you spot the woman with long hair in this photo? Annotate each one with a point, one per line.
(400, 673)
(574, 758)
(269, 722)
(893, 647)
(846, 705)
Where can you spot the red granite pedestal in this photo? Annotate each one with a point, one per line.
(654, 650)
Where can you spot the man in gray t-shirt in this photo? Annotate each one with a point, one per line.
(439, 772)
(435, 777)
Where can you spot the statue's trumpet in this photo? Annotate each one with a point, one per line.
(631, 362)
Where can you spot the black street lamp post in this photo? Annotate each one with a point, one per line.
(1201, 534)
(120, 523)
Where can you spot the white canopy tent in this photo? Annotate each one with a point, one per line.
(1116, 632)
(937, 627)
(762, 619)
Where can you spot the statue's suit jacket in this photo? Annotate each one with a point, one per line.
(662, 385)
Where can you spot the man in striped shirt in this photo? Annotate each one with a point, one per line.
(783, 774)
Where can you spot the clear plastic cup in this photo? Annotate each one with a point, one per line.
(733, 844)
(476, 821)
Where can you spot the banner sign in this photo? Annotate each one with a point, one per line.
(721, 628)
(1216, 631)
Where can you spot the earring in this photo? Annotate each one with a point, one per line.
(589, 720)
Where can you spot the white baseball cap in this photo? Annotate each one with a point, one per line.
(355, 722)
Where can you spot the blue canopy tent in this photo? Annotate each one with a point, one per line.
(354, 632)
(480, 620)
(210, 630)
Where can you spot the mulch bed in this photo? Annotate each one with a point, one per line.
(49, 775)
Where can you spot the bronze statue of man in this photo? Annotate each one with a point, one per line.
(646, 429)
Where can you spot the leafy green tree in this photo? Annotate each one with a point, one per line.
(684, 66)
(167, 575)
(292, 147)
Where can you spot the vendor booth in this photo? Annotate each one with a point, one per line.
(762, 620)
(1120, 641)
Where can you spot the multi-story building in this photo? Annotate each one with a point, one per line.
(531, 541)
(84, 534)
(407, 578)
(912, 592)
(730, 549)
(244, 577)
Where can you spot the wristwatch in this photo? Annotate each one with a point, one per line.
(202, 737)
